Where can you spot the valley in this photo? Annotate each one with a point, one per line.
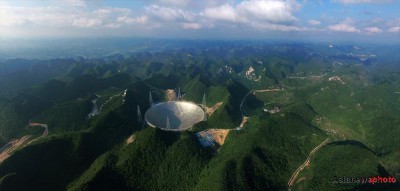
(279, 116)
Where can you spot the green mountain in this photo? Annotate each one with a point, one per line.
(296, 116)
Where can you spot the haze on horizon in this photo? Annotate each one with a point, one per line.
(328, 20)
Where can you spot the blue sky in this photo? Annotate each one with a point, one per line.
(326, 20)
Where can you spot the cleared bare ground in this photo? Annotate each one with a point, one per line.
(219, 135)
(211, 110)
(130, 139)
(244, 120)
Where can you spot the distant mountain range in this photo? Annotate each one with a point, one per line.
(316, 93)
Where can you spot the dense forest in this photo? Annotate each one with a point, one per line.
(293, 97)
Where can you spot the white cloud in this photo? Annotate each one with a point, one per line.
(130, 20)
(343, 28)
(79, 15)
(10, 17)
(191, 26)
(269, 10)
(76, 3)
(102, 11)
(190, 4)
(372, 30)
(238, 16)
(112, 10)
(86, 23)
(180, 3)
(346, 25)
(276, 27)
(259, 14)
(224, 12)
(394, 29)
(169, 14)
(45, 19)
(361, 1)
(314, 22)
(16, 16)
(112, 26)
(272, 11)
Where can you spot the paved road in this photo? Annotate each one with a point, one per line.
(301, 167)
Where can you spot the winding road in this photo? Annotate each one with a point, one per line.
(46, 129)
(12, 145)
(245, 118)
(301, 167)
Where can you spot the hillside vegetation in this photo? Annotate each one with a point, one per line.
(278, 102)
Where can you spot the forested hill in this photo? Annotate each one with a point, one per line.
(276, 103)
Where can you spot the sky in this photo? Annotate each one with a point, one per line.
(326, 20)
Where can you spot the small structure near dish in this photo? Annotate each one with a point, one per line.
(205, 139)
(274, 110)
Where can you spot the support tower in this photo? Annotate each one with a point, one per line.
(150, 99)
(139, 115)
(168, 126)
